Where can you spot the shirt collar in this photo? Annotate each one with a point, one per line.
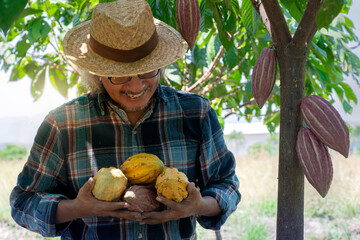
(159, 93)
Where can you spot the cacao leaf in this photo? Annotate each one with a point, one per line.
(315, 161)
(326, 123)
(10, 10)
(328, 11)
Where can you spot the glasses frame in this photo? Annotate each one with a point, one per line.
(129, 78)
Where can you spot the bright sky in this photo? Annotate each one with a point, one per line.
(16, 97)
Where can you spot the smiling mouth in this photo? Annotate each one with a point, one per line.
(133, 96)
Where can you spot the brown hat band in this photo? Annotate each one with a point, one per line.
(125, 55)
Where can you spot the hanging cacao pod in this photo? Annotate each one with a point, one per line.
(189, 20)
(315, 161)
(326, 123)
(264, 76)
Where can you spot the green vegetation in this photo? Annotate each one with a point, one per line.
(13, 152)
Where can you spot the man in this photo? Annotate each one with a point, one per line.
(123, 49)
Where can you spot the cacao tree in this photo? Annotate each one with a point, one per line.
(313, 41)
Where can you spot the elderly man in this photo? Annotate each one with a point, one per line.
(122, 51)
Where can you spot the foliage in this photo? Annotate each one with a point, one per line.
(238, 136)
(219, 68)
(13, 152)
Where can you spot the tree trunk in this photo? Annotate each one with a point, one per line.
(290, 211)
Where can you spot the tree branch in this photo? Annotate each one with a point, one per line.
(261, 11)
(272, 13)
(166, 80)
(307, 26)
(207, 75)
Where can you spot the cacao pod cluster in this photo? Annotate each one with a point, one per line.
(189, 20)
(263, 76)
(138, 181)
(325, 129)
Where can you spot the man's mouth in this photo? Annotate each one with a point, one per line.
(136, 95)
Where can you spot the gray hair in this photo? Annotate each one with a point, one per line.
(94, 83)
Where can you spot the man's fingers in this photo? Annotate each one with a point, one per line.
(191, 187)
(89, 185)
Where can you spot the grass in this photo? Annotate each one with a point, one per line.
(337, 216)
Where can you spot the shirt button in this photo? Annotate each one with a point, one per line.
(140, 235)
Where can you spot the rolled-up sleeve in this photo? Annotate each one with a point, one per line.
(218, 172)
(34, 200)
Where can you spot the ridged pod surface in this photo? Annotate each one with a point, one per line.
(326, 123)
(264, 76)
(172, 184)
(110, 183)
(315, 161)
(142, 168)
(189, 20)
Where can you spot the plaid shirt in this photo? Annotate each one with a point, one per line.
(88, 133)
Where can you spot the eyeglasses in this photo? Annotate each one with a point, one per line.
(122, 80)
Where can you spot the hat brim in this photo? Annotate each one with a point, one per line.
(171, 47)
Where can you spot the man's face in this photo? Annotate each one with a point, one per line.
(133, 95)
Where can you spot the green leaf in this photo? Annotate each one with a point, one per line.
(328, 11)
(249, 17)
(38, 83)
(22, 47)
(231, 58)
(293, 9)
(350, 95)
(74, 79)
(38, 29)
(347, 107)
(10, 10)
(272, 120)
(29, 11)
(59, 81)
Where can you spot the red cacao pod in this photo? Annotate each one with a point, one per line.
(141, 198)
(326, 123)
(315, 161)
(189, 20)
(264, 76)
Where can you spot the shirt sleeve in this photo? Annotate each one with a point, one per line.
(35, 198)
(218, 178)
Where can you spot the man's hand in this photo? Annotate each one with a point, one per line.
(193, 205)
(86, 205)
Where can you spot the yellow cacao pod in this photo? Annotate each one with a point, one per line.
(142, 168)
(172, 184)
(110, 183)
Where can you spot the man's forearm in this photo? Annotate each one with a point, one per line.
(210, 207)
(67, 210)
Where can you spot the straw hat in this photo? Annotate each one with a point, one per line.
(123, 39)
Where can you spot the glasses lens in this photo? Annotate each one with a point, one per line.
(119, 80)
(149, 74)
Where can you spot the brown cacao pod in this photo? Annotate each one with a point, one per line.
(110, 184)
(264, 76)
(141, 198)
(142, 168)
(172, 184)
(189, 20)
(315, 161)
(326, 123)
